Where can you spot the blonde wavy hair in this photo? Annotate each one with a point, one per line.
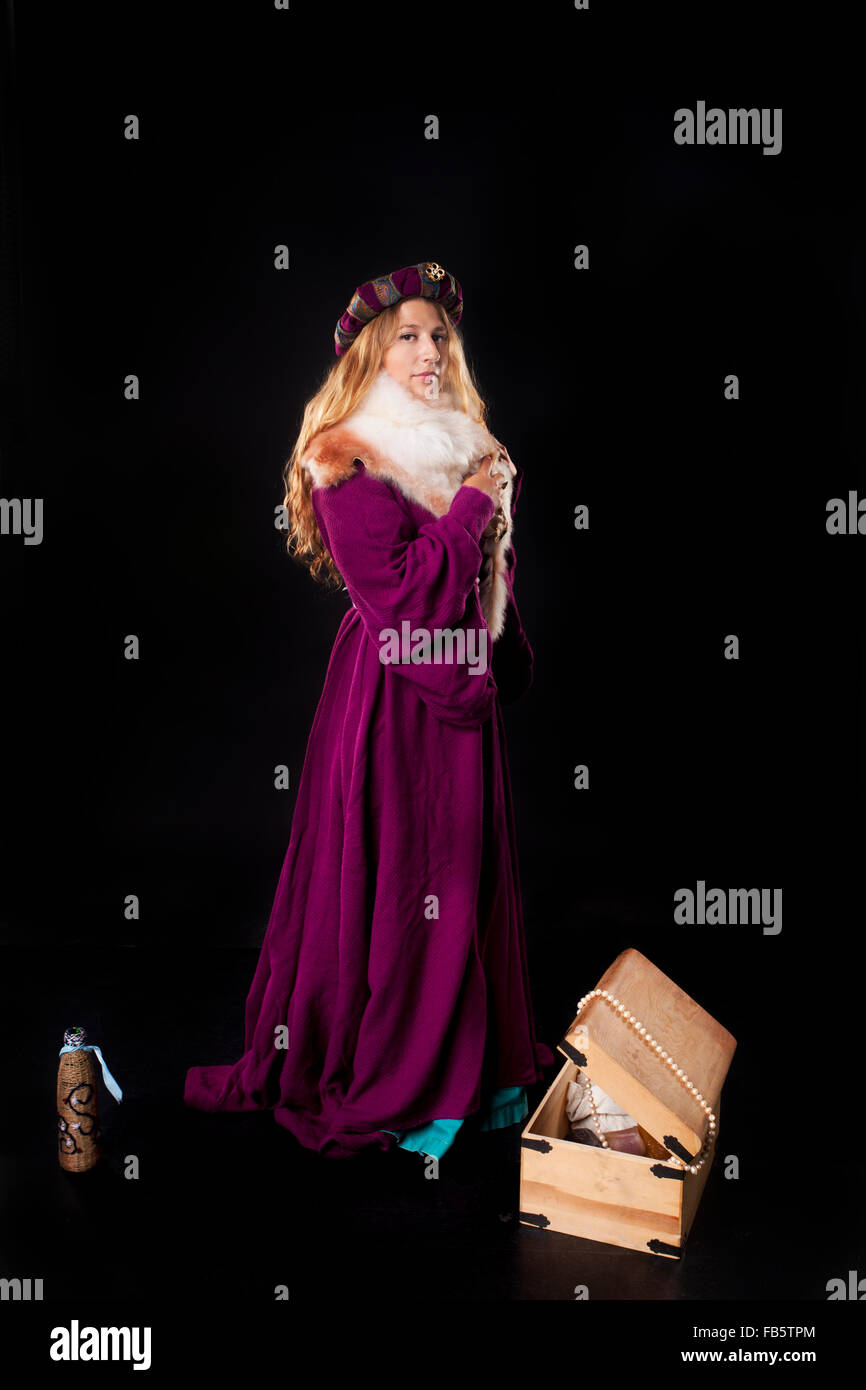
(344, 387)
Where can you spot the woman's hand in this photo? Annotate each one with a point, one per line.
(482, 479)
(497, 526)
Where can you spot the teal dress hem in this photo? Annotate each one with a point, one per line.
(507, 1106)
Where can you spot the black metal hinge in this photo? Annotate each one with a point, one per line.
(572, 1053)
(676, 1147)
(662, 1171)
(541, 1145)
(658, 1247)
(533, 1218)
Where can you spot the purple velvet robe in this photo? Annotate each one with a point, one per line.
(395, 1018)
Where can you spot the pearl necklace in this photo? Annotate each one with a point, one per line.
(644, 1033)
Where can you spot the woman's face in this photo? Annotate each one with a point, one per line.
(417, 356)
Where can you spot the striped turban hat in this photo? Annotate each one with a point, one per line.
(426, 280)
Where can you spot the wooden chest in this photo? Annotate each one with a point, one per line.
(641, 1203)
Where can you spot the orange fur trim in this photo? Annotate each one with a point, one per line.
(331, 455)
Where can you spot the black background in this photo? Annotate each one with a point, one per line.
(707, 517)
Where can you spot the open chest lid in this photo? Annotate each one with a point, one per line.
(618, 1059)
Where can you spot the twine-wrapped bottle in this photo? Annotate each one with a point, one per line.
(78, 1132)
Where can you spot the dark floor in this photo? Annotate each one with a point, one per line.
(229, 1207)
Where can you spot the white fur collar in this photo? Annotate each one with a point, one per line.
(426, 449)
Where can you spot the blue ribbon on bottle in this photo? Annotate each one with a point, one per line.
(106, 1074)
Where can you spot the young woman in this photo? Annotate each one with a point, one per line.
(391, 999)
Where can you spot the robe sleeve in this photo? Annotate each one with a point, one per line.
(425, 576)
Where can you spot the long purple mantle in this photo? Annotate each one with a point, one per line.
(395, 1017)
